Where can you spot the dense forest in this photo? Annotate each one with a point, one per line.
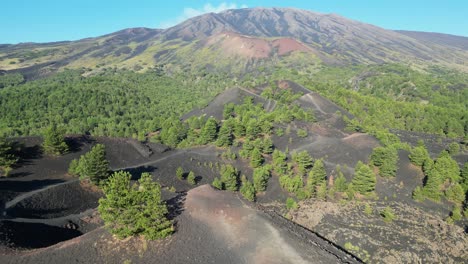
(128, 104)
(115, 103)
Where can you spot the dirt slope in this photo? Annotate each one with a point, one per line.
(213, 227)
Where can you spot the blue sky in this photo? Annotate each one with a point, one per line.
(54, 20)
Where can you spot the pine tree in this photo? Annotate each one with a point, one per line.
(454, 148)
(317, 176)
(364, 179)
(386, 159)
(180, 173)
(303, 160)
(260, 178)
(225, 136)
(129, 210)
(455, 194)
(431, 187)
(322, 191)
(267, 146)
(74, 168)
(54, 142)
(191, 178)
(419, 155)
(209, 131)
(447, 167)
(279, 161)
(247, 189)
(7, 157)
(340, 183)
(252, 128)
(256, 158)
(229, 177)
(94, 165)
(217, 183)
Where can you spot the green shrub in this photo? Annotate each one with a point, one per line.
(291, 204)
(388, 214)
(180, 173)
(191, 178)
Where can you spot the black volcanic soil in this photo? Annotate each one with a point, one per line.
(217, 226)
(212, 227)
(66, 199)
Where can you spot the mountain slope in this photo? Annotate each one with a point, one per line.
(438, 38)
(201, 43)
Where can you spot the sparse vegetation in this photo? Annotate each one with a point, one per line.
(388, 214)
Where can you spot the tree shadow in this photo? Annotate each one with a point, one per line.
(198, 179)
(19, 174)
(136, 172)
(27, 154)
(26, 186)
(175, 207)
(18, 211)
(75, 144)
(20, 234)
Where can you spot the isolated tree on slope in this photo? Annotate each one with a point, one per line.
(54, 142)
(129, 210)
(94, 165)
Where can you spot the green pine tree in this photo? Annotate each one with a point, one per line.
(340, 183)
(267, 146)
(317, 176)
(217, 183)
(279, 161)
(7, 156)
(94, 165)
(261, 175)
(191, 178)
(229, 177)
(386, 159)
(256, 158)
(54, 142)
(303, 160)
(180, 173)
(138, 209)
(419, 155)
(364, 179)
(209, 131)
(225, 136)
(247, 189)
(447, 167)
(455, 194)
